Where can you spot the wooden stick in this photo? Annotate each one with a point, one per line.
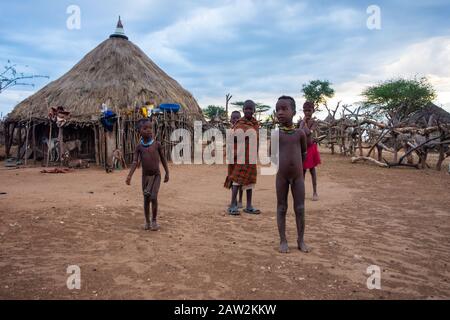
(97, 160)
(34, 142)
(7, 142)
(20, 142)
(362, 158)
(27, 131)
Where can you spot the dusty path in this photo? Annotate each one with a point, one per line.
(397, 219)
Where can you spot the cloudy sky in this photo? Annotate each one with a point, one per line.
(256, 49)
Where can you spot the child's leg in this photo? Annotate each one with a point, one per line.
(154, 225)
(147, 212)
(249, 198)
(154, 209)
(314, 183)
(249, 208)
(240, 197)
(282, 187)
(298, 192)
(234, 192)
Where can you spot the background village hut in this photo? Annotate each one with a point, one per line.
(116, 73)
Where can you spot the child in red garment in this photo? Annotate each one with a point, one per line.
(309, 125)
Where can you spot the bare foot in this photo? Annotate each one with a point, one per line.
(147, 226)
(303, 247)
(155, 226)
(284, 247)
(315, 197)
(239, 205)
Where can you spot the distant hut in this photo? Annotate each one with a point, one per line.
(430, 115)
(116, 73)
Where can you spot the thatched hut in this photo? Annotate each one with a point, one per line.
(116, 73)
(430, 115)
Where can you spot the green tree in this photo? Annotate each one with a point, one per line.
(213, 111)
(317, 91)
(260, 109)
(396, 99)
(238, 104)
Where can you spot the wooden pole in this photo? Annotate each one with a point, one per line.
(27, 131)
(7, 144)
(97, 160)
(49, 142)
(106, 151)
(227, 98)
(20, 142)
(33, 125)
(61, 146)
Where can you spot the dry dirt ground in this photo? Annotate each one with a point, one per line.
(397, 219)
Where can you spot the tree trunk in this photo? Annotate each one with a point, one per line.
(441, 158)
(380, 153)
(423, 160)
(395, 148)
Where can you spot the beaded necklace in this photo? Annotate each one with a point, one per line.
(148, 144)
(289, 130)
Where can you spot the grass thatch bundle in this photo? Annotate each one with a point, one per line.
(117, 73)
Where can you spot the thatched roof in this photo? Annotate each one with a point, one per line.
(422, 117)
(117, 73)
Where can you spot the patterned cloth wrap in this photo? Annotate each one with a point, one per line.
(243, 174)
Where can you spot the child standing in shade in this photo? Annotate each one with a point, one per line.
(149, 153)
(309, 126)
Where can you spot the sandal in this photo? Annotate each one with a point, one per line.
(252, 211)
(154, 226)
(233, 211)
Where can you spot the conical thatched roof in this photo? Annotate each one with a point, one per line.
(422, 117)
(117, 73)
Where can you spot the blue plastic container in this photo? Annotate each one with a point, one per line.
(171, 107)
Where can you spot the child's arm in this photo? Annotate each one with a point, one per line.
(164, 162)
(303, 144)
(133, 166)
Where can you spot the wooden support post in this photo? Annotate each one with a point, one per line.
(27, 133)
(10, 139)
(441, 158)
(33, 142)
(97, 155)
(61, 144)
(49, 142)
(7, 146)
(19, 131)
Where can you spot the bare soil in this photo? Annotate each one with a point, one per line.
(397, 219)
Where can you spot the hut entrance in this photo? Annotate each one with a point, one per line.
(81, 141)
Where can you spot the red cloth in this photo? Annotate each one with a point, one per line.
(312, 157)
